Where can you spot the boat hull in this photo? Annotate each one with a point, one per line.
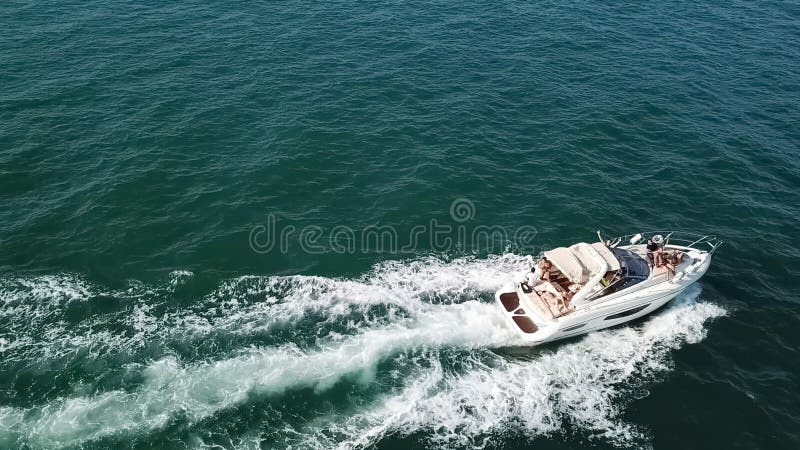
(623, 307)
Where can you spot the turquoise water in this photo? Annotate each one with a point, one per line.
(147, 150)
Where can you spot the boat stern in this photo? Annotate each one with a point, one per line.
(522, 315)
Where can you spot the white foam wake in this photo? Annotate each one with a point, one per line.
(398, 284)
(433, 295)
(242, 306)
(581, 383)
(200, 390)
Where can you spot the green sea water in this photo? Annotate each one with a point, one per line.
(194, 198)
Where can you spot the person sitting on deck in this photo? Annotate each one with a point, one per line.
(544, 267)
(676, 257)
(672, 261)
(669, 266)
(658, 257)
(555, 295)
(556, 300)
(652, 247)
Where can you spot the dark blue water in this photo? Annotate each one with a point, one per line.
(195, 199)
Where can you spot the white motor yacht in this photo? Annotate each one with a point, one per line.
(588, 287)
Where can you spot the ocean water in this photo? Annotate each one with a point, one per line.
(210, 221)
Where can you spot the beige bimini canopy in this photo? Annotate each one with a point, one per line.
(589, 258)
(611, 260)
(580, 261)
(568, 263)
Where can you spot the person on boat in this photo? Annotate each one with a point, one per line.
(651, 249)
(658, 257)
(544, 267)
(555, 295)
(529, 281)
(670, 262)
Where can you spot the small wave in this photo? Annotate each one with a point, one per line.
(179, 278)
(50, 289)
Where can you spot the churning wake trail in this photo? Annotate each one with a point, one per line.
(580, 383)
(44, 306)
(426, 303)
(414, 314)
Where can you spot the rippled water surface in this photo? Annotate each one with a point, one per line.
(142, 143)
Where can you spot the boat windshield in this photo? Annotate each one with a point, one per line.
(634, 269)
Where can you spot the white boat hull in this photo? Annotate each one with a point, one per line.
(623, 306)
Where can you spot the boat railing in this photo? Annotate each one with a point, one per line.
(702, 242)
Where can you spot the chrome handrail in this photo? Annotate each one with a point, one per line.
(685, 239)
